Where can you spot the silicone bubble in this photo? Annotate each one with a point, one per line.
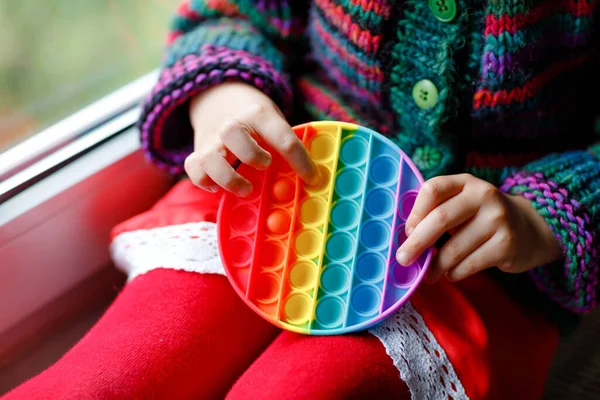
(322, 148)
(267, 287)
(407, 201)
(339, 246)
(354, 150)
(272, 254)
(349, 182)
(370, 266)
(320, 258)
(330, 311)
(380, 202)
(243, 254)
(335, 278)
(244, 218)
(307, 243)
(366, 299)
(303, 274)
(384, 170)
(344, 214)
(400, 236)
(282, 190)
(375, 234)
(278, 222)
(313, 210)
(405, 276)
(297, 308)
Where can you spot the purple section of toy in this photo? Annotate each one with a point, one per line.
(399, 278)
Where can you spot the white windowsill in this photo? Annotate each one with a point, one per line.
(74, 183)
(55, 234)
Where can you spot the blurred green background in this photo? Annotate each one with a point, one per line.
(57, 56)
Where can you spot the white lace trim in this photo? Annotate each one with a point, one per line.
(190, 247)
(422, 362)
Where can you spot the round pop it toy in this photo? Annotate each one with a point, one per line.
(321, 259)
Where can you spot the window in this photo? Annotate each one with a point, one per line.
(72, 75)
(58, 56)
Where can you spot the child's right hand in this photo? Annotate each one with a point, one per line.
(228, 120)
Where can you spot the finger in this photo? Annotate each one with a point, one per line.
(238, 139)
(485, 256)
(278, 133)
(220, 171)
(433, 193)
(444, 217)
(464, 242)
(197, 175)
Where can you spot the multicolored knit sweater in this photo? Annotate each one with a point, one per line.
(507, 90)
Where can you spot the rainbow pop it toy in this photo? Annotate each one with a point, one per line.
(321, 259)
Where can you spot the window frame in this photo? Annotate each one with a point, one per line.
(57, 209)
(30, 151)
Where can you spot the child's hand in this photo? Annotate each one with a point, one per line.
(488, 228)
(228, 120)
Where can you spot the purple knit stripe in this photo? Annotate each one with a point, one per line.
(500, 64)
(551, 190)
(206, 70)
(210, 55)
(576, 225)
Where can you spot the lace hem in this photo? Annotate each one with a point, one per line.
(422, 362)
(190, 247)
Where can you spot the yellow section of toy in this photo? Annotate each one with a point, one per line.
(311, 219)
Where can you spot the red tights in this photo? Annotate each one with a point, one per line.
(166, 337)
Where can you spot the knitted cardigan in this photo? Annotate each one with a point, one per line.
(503, 89)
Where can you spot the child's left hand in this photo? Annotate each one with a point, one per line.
(488, 227)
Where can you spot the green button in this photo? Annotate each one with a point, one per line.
(425, 94)
(444, 10)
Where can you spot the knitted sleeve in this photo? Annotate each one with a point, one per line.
(211, 42)
(565, 190)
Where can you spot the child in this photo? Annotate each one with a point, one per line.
(488, 98)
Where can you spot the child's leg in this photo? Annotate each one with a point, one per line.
(321, 367)
(169, 334)
(453, 341)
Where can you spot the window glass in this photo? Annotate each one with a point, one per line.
(57, 56)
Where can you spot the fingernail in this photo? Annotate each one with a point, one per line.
(212, 189)
(245, 191)
(409, 230)
(403, 258)
(264, 163)
(316, 177)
